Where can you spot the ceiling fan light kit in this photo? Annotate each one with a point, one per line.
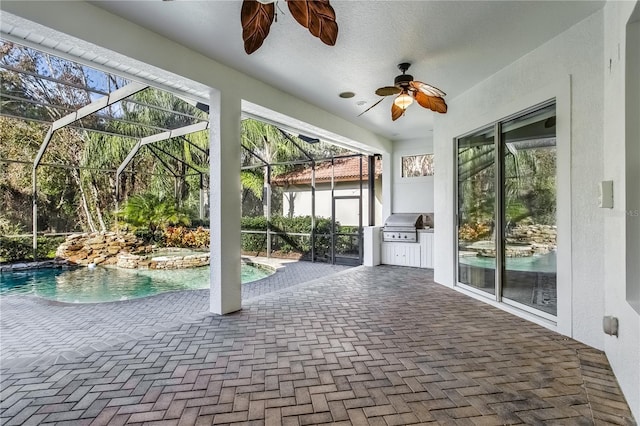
(403, 100)
(408, 90)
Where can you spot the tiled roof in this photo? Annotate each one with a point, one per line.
(344, 170)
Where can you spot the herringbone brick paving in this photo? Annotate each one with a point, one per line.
(380, 345)
(36, 329)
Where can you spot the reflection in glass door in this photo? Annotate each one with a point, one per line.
(529, 217)
(512, 229)
(476, 210)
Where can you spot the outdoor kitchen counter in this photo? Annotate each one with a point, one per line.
(418, 254)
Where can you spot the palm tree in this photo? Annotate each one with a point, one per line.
(172, 166)
(271, 146)
(152, 212)
(91, 190)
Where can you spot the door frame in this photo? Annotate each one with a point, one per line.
(335, 234)
(499, 213)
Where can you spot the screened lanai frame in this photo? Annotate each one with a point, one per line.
(146, 138)
(298, 140)
(58, 117)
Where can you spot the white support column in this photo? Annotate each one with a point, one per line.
(224, 159)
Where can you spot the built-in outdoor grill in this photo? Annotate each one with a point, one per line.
(402, 227)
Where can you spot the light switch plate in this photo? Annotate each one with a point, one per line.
(605, 200)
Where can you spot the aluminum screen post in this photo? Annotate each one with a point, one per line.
(201, 198)
(267, 196)
(35, 212)
(313, 211)
(371, 182)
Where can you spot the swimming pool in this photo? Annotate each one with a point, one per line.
(536, 263)
(109, 284)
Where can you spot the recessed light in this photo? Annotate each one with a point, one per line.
(347, 95)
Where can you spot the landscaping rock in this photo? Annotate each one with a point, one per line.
(98, 248)
(139, 261)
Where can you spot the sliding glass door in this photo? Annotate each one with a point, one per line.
(507, 211)
(476, 210)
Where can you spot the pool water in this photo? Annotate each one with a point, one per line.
(109, 284)
(538, 263)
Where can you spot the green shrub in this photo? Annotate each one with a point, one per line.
(47, 246)
(13, 249)
(21, 248)
(200, 223)
(7, 227)
(288, 243)
(180, 236)
(254, 242)
(149, 237)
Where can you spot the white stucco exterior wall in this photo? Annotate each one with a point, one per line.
(347, 211)
(623, 351)
(568, 68)
(573, 68)
(415, 194)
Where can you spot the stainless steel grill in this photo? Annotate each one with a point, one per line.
(402, 227)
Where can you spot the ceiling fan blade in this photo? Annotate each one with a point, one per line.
(427, 89)
(434, 103)
(380, 100)
(256, 21)
(318, 16)
(396, 112)
(388, 91)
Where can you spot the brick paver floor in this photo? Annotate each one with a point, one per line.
(381, 345)
(37, 330)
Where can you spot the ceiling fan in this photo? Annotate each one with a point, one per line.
(408, 89)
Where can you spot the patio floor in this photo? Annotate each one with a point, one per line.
(381, 345)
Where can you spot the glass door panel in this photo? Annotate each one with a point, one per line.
(529, 221)
(476, 210)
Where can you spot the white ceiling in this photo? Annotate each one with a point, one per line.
(452, 45)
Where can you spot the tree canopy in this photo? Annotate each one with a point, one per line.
(76, 180)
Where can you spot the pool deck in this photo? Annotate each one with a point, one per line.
(34, 330)
(383, 345)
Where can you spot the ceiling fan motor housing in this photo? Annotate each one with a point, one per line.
(403, 80)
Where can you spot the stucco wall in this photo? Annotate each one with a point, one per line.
(346, 210)
(574, 69)
(622, 222)
(568, 68)
(414, 194)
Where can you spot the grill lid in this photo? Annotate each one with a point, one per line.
(404, 220)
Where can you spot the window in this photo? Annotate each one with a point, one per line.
(417, 165)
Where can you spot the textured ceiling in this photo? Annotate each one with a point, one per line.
(452, 45)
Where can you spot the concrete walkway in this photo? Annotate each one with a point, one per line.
(381, 345)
